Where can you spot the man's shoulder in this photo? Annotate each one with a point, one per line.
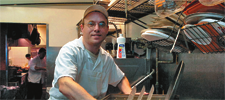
(34, 59)
(74, 43)
(72, 48)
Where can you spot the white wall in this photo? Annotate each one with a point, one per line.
(17, 56)
(42, 31)
(62, 22)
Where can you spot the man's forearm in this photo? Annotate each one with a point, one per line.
(72, 90)
(124, 85)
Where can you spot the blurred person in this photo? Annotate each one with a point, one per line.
(35, 75)
(28, 57)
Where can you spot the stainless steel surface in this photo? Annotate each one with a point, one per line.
(124, 97)
(151, 93)
(132, 93)
(203, 77)
(141, 94)
(132, 67)
(196, 17)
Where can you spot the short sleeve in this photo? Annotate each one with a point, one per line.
(32, 64)
(65, 64)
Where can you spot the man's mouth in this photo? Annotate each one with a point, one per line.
(96, 35)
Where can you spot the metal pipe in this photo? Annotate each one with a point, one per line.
(156, 69)
(6, 59)
(165, 62)
(144, 78)
(148, 54)
(175, 41)
(115, 28)
(126, 8)
(157, 65)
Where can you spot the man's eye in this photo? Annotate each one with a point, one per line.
(102, 24)
(91, 23)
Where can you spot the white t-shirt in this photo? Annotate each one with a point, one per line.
(74, 61)
(34, 76)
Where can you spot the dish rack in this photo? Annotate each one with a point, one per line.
(180, 45)
(212, 43)
(132, 10)
(164, 46)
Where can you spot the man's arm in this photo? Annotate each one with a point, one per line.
(124, 85)
(72, 90)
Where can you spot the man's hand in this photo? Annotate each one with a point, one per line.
(145, 93)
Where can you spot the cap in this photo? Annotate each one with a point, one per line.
(97, 8)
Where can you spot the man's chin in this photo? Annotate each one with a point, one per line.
(97, 42)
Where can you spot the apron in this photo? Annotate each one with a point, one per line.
(91, 81)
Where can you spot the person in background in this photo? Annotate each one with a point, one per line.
(28, 56)
(83, 68)
(35, 75)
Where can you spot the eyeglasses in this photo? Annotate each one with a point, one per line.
(92, 24)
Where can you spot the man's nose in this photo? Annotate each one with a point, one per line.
(96, 28)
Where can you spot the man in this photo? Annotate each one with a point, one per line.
(84, 69)
(35, 75)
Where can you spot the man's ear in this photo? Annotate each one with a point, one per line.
(81, 27)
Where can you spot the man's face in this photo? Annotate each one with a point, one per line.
(28, 58)
(42, 55)
(94, 29)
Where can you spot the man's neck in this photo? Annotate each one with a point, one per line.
(92, 48)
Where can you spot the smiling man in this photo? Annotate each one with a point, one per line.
(83, 68)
